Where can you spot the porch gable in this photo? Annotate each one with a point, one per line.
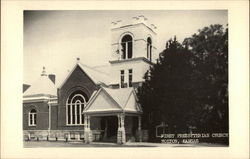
(102, 102)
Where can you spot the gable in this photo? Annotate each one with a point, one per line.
(77, 80)
(103, 102)
(78, 76)
(121, 96)
(132, 104)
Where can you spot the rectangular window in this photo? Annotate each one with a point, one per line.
(78, 114)
(69, 114)
(82, 116)
(31, 119)
(130, 77)
(123, 50)
(130, 49)
(73, 114)
(34, 122)
(122, 79)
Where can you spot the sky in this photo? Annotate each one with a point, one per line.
(54, 39)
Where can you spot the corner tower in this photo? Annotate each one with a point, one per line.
(132, 50)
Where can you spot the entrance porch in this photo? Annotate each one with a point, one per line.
(119, 116)
(118, 127)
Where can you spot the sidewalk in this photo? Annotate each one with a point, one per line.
(33, 144)
(141, 144)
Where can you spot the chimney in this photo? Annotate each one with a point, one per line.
(52, 77)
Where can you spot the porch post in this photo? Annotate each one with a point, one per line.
(119, 128)
(139, 129)
(121, 135)
(87, 130)
(123, 128)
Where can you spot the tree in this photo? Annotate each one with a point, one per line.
(165, 95)
(210, 49)
(188, 86)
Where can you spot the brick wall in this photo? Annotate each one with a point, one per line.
(42, 115)
(78, 80)
(54, 117)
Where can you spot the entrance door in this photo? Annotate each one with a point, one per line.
(109, 125)
(112, 126)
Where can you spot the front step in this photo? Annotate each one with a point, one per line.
(110, 139)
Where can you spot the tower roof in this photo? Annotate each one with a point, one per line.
(43, 86)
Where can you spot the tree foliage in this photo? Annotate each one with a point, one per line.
(210, 49)
(188, 86)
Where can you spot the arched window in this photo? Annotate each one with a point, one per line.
(32, 117)
(127, 47)
(74, 107)
(149, 48)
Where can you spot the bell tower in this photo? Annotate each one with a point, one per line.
(132, 50)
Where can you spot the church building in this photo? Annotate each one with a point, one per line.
(95, 103)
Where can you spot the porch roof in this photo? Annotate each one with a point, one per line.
(110, 101)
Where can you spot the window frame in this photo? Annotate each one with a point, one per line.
(122, 79)
(130, 74)
(149, 48)
(32, 118)
(74, 115)
(128, 45)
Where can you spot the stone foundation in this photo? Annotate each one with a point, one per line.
(54, 135)
(88, 136)
(78, 135)
(121, 137)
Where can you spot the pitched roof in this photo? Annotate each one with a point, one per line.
(103, 68)
(42, 86)
(110, 100)
(119, 95)
(95, 75)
